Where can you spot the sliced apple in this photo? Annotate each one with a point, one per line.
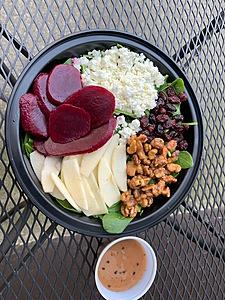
(95, 173)
(119, 159)
(97, 207)
(37, 163)
(112, 145)
(74, 182)
(52, 164)
(57, 194)
(91, 160)
(62, 188)
(78, 157)
(107, 184)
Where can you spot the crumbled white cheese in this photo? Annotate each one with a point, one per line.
(125, 130)
(130, 76)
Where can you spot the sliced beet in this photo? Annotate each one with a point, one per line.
(39, 146)
(98, 101)
(63, 81)
(68, 123)
(39, 89)
(32, 119)
(91, 142)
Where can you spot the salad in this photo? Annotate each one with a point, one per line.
(105, 134)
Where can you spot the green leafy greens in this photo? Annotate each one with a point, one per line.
(185, 160)
(65, 204)
(177, 84)
(190, 123)
(28, 144)
(68, 61)
(126, 113)
(114, 221)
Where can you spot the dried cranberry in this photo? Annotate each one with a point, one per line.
(167, 124)
(186, 127)
(162, 95)
(179, 137)
(160, 102)
(179, 128)
(179, 118)
(170, 107)
(170, 91)
(182, 145)
(160, 129)
(152, 118)
(150, 128)
(144, 121)
(174, 99)
(162, 110)
(162, 118)
(169, 136)
(183, 97)
(144, 132)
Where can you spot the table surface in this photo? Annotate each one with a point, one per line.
(40, 259)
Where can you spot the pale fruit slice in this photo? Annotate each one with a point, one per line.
(112, 145)
(98, 206)
(107, 184)
(57, 194)
(37, 163)
(78, 157)
(95, 173)
(74, 182)
(91, 160)
(51, 165)
(62, 188)
(119, 159)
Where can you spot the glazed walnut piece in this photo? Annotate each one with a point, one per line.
(150, 169)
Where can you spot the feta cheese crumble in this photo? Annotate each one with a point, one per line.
(130, 76)
(125, 129)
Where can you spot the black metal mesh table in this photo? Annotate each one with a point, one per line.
(41, 260)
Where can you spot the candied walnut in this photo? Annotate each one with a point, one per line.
(142, 138)
(169, 179)
(171, 145)
(152, 154)
(157, 143)
(141, 154)
(131, 168)
(138, 181)
(132, 148)
(173, 167)
(166, 192)
(136, 159)
(139, 169)
(164, 151)
(136, 193)
(146, 162)
(147, 148)
(160, 172)
(160, 161)
(145, 200)
(129, 211)
(125, 196)
(148, 171)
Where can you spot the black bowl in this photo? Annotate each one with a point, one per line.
(75, 45)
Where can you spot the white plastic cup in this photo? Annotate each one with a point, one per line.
(142, 286)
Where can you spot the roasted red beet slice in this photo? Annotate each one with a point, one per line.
(39, 89)
(98, 101)
(39, 146)
(91, 142)
(32, 119)
(68, 123)
(63, 81)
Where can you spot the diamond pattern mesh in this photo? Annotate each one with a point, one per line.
(41, 260)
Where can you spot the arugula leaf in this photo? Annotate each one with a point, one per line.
(190, 123)
(118, 111)
(147, 112)
(65, 204)
(27, 146)
(68, 61)
(177, 112)
(119, 46)
(83, 68)
(114, 222)
(185, 160)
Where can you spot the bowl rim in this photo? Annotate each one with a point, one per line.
(19, 164)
